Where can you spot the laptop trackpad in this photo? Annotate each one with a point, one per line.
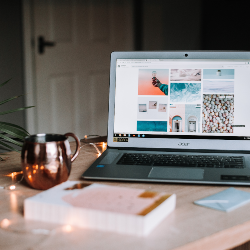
(176, 173)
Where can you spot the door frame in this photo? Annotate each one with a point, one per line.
(29, 66)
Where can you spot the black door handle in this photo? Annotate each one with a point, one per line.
(42, 44)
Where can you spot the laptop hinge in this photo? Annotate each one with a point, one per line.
(182, 150)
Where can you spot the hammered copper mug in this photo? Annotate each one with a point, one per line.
(46, 159)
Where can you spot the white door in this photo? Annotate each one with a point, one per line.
(177, 126)
(192, 126)
(72, 77)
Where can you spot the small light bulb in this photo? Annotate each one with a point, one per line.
(67, 228)
(5, 223)
(12, 187)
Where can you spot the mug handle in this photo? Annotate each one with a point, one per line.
(78, 145)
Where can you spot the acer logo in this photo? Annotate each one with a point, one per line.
(183, 144)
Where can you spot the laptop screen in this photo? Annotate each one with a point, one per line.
(178, 99)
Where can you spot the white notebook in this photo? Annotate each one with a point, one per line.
(226, 200)
(103, 207)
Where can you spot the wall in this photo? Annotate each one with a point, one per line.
(11, 62)
(194, 25)
(171, 25)
(225, 25)
(160, 25)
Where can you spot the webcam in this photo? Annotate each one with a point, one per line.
(186, 55)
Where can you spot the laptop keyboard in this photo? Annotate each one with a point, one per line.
(202, 161)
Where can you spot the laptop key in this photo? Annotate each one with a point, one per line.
(200, 161)
(210, 165)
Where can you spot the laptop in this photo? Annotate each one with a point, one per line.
(177, 117)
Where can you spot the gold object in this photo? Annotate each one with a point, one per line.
(46, 159)
(154, 205)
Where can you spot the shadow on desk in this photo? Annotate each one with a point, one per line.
(245, 246)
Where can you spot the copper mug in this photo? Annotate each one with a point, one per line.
(46, 159)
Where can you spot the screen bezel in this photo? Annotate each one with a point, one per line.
(182, 141)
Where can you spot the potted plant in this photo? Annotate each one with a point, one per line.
(11, 134)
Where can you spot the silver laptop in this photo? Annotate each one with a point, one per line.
(178, 117)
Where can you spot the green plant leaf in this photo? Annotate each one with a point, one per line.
(8, 146)
(10, 99)
(15, 126)
(13, 131)
(4, 82)
(14, 110)
(11, 140)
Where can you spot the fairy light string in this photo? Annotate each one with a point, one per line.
(5, 224)
(99, 142)
(13, 175)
